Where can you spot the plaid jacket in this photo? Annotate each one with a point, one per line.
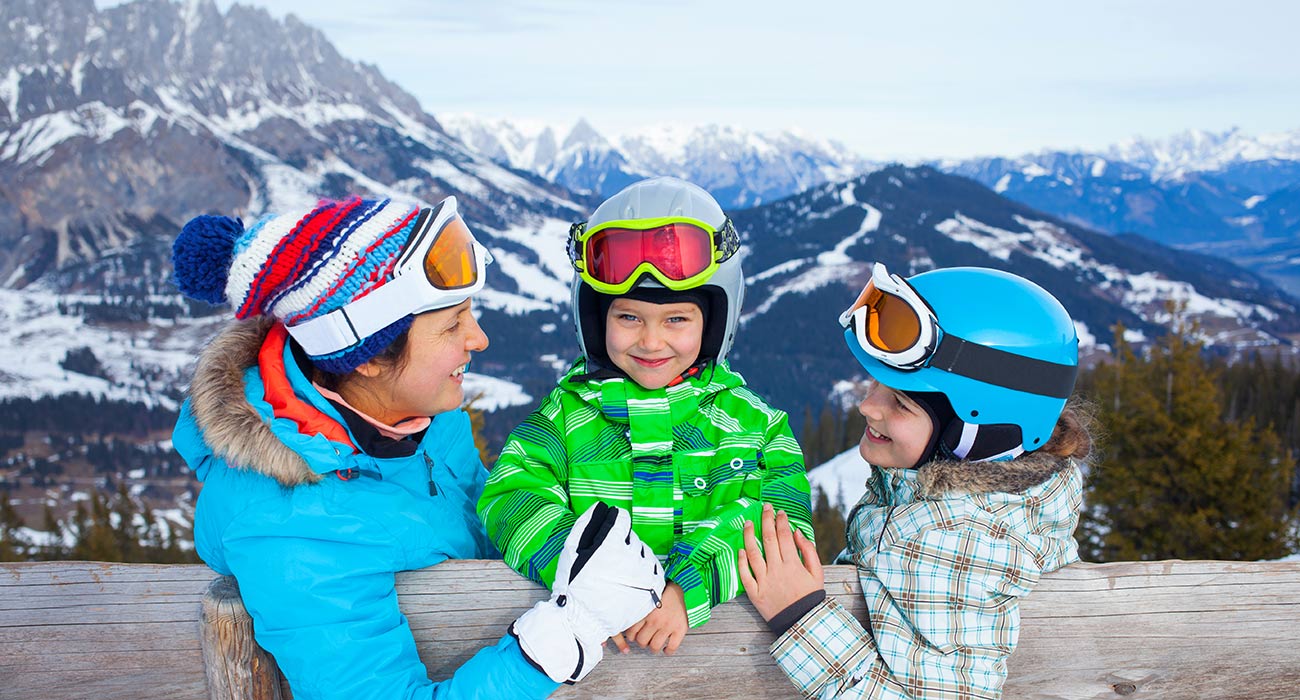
(691, 462)
(944, 554)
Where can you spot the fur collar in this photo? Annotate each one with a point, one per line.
(234, 430)
(955, 478)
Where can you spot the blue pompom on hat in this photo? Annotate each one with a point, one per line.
(300, 265)
(201, 256)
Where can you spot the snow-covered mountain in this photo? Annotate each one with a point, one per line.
(1223, 194)
(119, 123)
(1197, 151)
(741, 168)
(809, 254)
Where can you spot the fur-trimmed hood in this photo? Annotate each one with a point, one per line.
(234, 430)
(954, 478)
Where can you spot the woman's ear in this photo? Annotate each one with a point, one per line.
(370, 369)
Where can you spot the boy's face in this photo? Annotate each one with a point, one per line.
(898, 430)
(653, 343)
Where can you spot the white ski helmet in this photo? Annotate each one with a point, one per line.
(660, 198)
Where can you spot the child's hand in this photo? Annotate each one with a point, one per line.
(779, 579)
(661, 630)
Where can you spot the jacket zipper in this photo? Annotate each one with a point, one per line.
(433, 488)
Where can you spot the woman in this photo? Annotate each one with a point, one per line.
(324, 425)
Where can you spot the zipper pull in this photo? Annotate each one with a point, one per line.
(433, 488)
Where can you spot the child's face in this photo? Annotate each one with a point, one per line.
(898, 430)
(653, 343)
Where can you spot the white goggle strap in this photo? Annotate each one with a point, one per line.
(344, 327)
(405, 294)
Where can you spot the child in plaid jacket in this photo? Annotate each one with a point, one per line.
(960, 518)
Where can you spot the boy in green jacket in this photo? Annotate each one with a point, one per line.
(651, 418)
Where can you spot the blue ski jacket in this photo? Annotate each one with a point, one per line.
(314, 529)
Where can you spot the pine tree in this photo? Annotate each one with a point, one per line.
(812, 455)
(52, 525)
(826, 429)
(828, 526)
(96, 538)
(476, 423)
(1178, 479)
(12, 548)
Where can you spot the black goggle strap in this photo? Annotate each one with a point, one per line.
(1004, 369)
(574, 248)
(727, 240)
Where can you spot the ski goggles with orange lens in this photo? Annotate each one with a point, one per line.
(679, 252)
(441, 265)
(890, 321)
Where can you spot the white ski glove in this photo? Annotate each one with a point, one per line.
(606, 580)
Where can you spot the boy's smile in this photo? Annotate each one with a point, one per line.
(653, 343)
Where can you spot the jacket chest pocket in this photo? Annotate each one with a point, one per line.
(710, 481)
(609, 481)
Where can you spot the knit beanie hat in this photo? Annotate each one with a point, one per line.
(299, 265)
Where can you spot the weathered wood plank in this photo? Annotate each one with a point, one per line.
(1147, 629)
(101, 631)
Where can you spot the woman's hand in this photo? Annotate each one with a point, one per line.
(778, 577)
(661, 630)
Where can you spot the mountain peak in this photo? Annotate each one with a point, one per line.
(584, 134)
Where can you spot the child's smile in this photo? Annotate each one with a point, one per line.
(653, 343)
(898, 429)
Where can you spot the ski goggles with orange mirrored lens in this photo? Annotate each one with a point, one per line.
(890, 321)
(441, 265)
(679, 252)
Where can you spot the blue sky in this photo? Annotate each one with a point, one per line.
(892, 80)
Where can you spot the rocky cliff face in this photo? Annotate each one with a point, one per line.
(153, 111)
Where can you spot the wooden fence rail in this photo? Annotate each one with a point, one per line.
(1172, 629)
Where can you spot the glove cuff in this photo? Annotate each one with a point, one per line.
(549, 641)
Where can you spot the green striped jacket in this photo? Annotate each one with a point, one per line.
(691, 462)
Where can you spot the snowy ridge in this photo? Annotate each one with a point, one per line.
(741, 167)
(1200, 151)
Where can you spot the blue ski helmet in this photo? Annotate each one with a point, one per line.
(1000, 348)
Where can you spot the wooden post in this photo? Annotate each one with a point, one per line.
(236, 667)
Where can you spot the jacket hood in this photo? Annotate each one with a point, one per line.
(234, 429)
(954, 478)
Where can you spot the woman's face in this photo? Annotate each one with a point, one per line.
(428, 379)
(898, 430)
